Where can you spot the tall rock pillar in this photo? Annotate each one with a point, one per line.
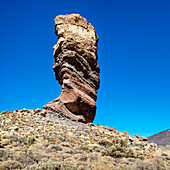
(76, 68)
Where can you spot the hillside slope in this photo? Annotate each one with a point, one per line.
(42, 139)
(161, 138)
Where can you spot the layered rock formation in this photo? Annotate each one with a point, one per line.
(76, 68)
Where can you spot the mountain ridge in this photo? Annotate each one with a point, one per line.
(161, 138)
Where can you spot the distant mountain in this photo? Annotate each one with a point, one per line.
(161, 138)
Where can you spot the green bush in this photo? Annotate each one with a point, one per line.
(105, 143)
(31, 139)
(150, 164)
(66, 165)
(119, 149)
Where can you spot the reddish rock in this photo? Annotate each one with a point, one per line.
(126, 133)
(142, 139)
(137, 136)
(98, 124)
(25, 110)
(76, 68)
(113, 129)
(108, 128)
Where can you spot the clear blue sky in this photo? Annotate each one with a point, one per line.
(134, 57)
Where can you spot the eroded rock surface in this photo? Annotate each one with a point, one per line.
(76, 68)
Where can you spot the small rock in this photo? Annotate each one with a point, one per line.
(108, 128)
(81, 167)
(126, 133)
(54, 147)
(66, 144)
(13, 128)
(142, 139)
(137, 136)
(58, 141)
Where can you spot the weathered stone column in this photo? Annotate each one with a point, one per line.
(76, 68)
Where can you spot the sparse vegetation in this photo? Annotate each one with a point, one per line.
(119, 149)
(105, 143)
(31, 139)
(66, 145)
(50, 165)
(151, 164)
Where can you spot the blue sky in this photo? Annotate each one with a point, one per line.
(133, 51)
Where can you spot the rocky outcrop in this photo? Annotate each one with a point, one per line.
(76, 68)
